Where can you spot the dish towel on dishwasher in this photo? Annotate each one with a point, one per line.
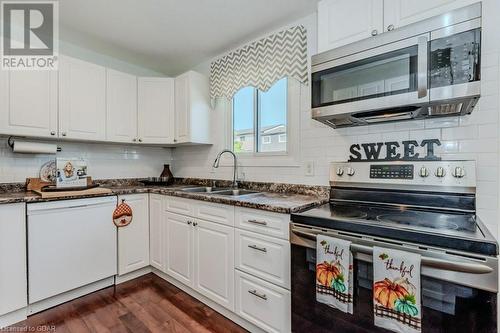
(334, 273)
(396, 290)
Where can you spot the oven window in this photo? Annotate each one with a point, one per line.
(382, 75)
(455, 59)
(446, 307)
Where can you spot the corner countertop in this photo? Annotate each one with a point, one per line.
(279, 202)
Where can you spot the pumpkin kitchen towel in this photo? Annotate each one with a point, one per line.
(396, 290)
(334, 273)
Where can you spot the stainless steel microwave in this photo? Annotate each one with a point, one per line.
(426, 69)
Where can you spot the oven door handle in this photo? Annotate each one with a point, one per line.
(443, 264)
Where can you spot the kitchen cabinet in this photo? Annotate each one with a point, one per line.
(133, 240)
(214, 262)
(179, 247)
(121, 107)
(155, 110)
(156, 227)
(82, 100)
(341, 22)
(192, 108)
(28, 103)
(13, 282)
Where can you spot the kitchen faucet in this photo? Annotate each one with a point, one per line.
(235, 166)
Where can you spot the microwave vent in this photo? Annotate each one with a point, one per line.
(445, 109)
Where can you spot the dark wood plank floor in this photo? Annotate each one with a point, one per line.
(146, 304)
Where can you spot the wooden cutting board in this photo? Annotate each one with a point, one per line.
(35, 185)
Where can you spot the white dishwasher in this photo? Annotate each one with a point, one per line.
(71, 244)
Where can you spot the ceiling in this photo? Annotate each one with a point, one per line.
(171, 36)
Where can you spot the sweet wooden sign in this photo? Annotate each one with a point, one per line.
(394, 151)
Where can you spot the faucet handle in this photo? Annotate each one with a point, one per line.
(213, 183)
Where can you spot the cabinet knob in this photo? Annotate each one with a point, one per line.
(374, 32)
(195, 224)
(134, 139)
(53, 133)
(63, 133)
(175, 140)
(390, 27)
(140, 140)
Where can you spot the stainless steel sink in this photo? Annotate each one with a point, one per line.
(204, 189)
(235, 193)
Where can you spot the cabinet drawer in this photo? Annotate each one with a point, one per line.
(268, 223)
(179, 206)
(214, 212)
(262, 303)
(262, 256)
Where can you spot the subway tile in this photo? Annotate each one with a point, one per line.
(458, 133)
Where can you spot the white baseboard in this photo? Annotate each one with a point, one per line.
(69, 295)
(217, 307)
(13, 317)
(132, 275)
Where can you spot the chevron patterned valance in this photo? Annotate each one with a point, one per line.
(261, 63)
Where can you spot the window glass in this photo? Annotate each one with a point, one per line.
(243, 120)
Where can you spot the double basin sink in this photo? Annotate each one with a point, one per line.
(225, 191)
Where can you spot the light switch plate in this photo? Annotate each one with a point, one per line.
(310, 168)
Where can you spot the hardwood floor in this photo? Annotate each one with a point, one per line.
(146, 304)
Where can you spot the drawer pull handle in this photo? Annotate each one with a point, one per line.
(255, 247)
(255, 293)
(257, 222)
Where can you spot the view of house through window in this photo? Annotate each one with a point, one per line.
(260, 119)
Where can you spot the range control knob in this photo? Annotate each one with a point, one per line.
(350, 171)
(424, 172)
(340, 171)
(458, 172)
(440, 172)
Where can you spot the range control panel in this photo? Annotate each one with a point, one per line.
(385, 171)
(435, 173)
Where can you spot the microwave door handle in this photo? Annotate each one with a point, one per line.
(444, 264)
(422, 65)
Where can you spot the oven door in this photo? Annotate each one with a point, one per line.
(386, 77)
(458, 292)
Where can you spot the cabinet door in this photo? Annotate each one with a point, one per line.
(121, 107)
(214, 262)
(342, 22)
(28, 103)
(133, 240)
(13, 284)
(179, 248)
(82, 100)
(399, 13)
(156, 224)
(182, 108)
(156, 110)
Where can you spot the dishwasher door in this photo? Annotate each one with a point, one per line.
(71, 243)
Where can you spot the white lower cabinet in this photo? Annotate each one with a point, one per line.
(133, 240)
(214, 262)
(13, 283)
(262, 303)
(156, 226)
(179, 247)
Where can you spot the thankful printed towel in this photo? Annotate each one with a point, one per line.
(396, 290)
(334, 273)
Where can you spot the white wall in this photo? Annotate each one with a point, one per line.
(471, 137)
(104, 160)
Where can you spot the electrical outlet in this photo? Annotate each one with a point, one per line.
(310, 168)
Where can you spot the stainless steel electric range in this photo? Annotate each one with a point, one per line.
(427, 207)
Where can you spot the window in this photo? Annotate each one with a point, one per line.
(282, 138)
(258, 116)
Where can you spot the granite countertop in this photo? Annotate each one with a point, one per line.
(280, 202)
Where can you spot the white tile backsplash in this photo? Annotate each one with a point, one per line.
(104, 160)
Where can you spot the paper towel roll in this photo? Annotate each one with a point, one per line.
(26, 147)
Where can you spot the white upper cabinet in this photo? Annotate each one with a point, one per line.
(28, 103)
(398, 13)
(121, 107)
(82, 100)
(156, 110)
(192, 108)
(342, 22)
